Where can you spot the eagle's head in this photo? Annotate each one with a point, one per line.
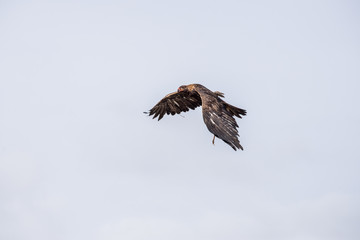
(182, 88)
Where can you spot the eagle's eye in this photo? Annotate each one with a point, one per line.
(181, 88)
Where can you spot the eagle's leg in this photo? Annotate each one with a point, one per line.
(213, 141)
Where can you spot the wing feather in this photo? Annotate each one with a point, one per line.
(222, 124)
(175, 103)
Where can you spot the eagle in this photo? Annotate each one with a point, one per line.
(218, 115)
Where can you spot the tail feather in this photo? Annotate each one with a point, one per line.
(235, 111)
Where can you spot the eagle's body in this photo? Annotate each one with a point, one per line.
(217, 114)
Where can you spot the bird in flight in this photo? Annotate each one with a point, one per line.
(218, 115)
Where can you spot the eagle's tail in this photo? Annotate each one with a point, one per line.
(234, 111)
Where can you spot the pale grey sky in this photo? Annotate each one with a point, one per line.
(80, 160)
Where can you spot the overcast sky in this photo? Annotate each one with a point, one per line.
(80, 160)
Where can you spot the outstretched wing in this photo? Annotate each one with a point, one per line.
(176, 102)
(222, 124)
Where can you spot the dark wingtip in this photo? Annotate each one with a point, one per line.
(236, 148)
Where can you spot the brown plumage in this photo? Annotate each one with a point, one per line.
(218, 115)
